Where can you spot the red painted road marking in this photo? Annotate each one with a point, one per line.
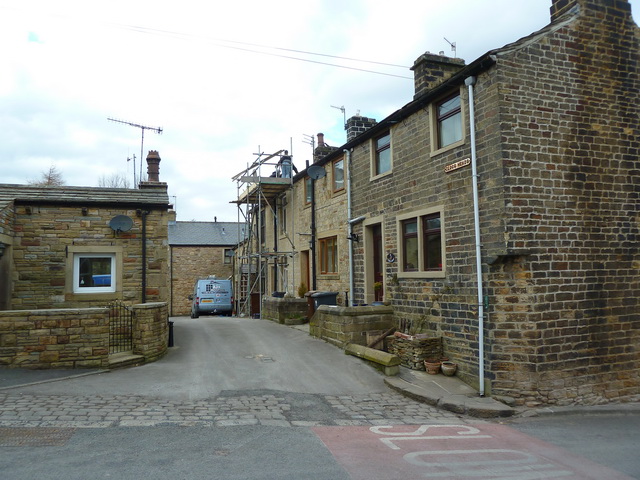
(454, 452)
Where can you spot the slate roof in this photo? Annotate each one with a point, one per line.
(149, 196)
(206, 233)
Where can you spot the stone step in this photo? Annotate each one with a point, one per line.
(124, 359)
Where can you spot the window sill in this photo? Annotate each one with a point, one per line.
(382, 175)
(329, 276)
(90, 296)
(457, 144)
(426, 275)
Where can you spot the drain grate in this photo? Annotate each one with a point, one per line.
(35, 437)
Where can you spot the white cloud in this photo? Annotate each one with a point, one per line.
(190, 68)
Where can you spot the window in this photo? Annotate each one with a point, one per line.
(421, 244)
(308, 186)
(382, 160)
(228, 255)
(410, 245)
(338, 175)
(449, 121)
(329, 255)
(432, 242)
(94, 273)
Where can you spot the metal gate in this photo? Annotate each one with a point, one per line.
(120, 327)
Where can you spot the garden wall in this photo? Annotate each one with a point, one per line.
(342, 325)
(76, 337)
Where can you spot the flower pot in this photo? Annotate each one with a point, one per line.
(432, 368)
(449, 368)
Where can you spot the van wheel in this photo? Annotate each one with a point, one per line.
(194, 315)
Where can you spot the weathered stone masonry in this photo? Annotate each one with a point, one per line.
(557, 145)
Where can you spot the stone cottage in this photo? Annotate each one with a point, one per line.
(66, 247)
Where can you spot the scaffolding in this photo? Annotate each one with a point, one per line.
(257, 194)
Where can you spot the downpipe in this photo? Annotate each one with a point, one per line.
(470, 82)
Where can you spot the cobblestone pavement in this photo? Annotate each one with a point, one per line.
(240, 408)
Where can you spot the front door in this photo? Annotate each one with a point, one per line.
(378, 278)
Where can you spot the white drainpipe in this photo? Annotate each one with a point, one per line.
(470, 82)
(347, 156)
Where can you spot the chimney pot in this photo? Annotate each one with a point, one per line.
(153, 166)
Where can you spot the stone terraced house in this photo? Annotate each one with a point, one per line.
(499, 211)
(198, 250)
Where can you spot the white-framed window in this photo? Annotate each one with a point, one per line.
(421, 244)
(338, 175)
(308, 190)
(94, 273)
(228, 255)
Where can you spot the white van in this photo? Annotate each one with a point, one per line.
(212, 296)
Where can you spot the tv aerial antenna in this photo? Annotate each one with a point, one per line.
(344, 114)
(310, 140)
(453, 46)
(158, 130)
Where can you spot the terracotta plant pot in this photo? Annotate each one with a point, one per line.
(449, 368)
(432, 367)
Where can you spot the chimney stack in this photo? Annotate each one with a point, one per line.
(606, 8)
(322, 148)
(357, 125)
(430, 70)
(153, 166)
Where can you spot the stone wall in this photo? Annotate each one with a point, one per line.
(60, 338)
(77, 337)
(565, 323)
(150, 330)
(413, 352)
(190, 263)
(6, 253)
(288, 311)
(46, 237)
(342, 325)
(557, 146)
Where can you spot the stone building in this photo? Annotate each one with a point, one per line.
(66, 247)
(296, 231)
(550, 221)
(198, 250)
(498, 210)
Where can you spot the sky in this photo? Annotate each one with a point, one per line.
(224, 81)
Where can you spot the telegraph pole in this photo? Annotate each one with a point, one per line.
(158, 130)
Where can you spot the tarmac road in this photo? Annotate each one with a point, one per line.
(216, 354)
(240, 398)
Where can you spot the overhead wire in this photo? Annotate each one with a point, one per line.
(236, 45)
(217, 42)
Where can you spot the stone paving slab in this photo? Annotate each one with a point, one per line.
(273, 409)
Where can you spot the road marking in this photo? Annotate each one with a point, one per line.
(447, 451)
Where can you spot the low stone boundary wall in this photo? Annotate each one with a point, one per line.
(76, 337)
(342, 325)
(150, 330)
(414, 351)
(288, 311)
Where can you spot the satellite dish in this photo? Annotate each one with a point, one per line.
(316, 172)
(121, 223)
